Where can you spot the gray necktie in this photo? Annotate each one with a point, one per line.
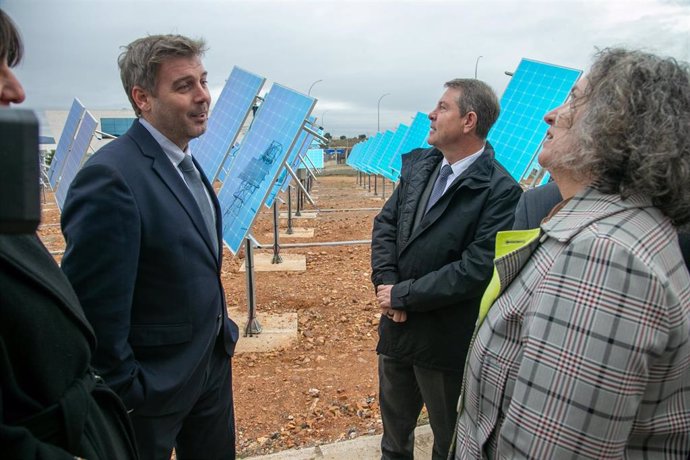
(439, 186)
(196, 186)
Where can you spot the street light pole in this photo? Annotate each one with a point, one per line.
(312, 85)
(476, 63)
(378, 113)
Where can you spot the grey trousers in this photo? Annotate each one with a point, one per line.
(403, 389)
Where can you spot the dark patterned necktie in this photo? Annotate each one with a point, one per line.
(439, 186)
(196, 186)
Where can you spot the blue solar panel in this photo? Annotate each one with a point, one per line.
(303, 141)
(358, 154)
(116, 126)
(311, 142)
(228, 161)
(300, 161)
(226, 119)
(261, 155)
(65, 142)
(534, 89)
(417, 134)
(315, 158)
(76, 156)
(394, 162)
(377, 157)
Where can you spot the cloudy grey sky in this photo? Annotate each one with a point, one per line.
(359, 49)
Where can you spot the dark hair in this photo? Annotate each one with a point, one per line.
(11, 47)
(141, 59)
(633, 130)
(478, 97)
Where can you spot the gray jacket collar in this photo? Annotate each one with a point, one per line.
(587, 207)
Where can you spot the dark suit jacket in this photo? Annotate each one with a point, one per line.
(535, 204)
(45, 353)
(141, 261)
(441, 265)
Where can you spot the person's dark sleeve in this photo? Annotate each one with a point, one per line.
(520, 222)
(101, 225)
(17, 442)
(384, 255)
(467, 277)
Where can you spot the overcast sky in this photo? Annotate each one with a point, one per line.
(359, 49)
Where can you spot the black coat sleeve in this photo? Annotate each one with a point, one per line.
(520, 222)
(384, 256)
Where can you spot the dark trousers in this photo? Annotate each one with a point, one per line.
(403, 390)
(204, 430)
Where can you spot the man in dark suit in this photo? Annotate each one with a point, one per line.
(52, 404)
(143, 232)
(535, 204)
(432, 256)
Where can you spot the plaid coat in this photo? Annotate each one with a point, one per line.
(586, 353)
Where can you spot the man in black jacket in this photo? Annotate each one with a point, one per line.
(432, 257)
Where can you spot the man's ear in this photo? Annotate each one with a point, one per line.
(141, 98)
(470, 122)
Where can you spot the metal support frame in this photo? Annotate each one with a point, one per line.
(289, 230)
(276, 236)
(376, 176)
(298, 196)
(253, 326)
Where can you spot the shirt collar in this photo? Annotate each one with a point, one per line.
(461, 165)
(171, 150)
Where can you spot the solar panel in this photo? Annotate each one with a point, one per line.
(359, 152)
(534, 89)
(116, 126)
(303, 141)
(228, 161)
(315, 157)
(65, 143)
(417, 134)
(260, 157)
(378, 156)
(391, 169)
(76, 156)
(311, 143)
(226, 119)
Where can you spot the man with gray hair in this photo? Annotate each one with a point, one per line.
(144, 252)
(432, 256)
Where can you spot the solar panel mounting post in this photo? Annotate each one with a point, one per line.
(253, 326)
(289, 230)
(301, 185)
(276, 245)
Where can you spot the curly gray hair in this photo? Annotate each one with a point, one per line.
(141, 59)
(633, 130)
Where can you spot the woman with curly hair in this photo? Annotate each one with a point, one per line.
(582, 345)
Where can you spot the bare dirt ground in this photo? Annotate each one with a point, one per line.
(323, 387)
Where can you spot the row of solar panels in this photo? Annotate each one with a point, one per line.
(253, 172)
(534, 89)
